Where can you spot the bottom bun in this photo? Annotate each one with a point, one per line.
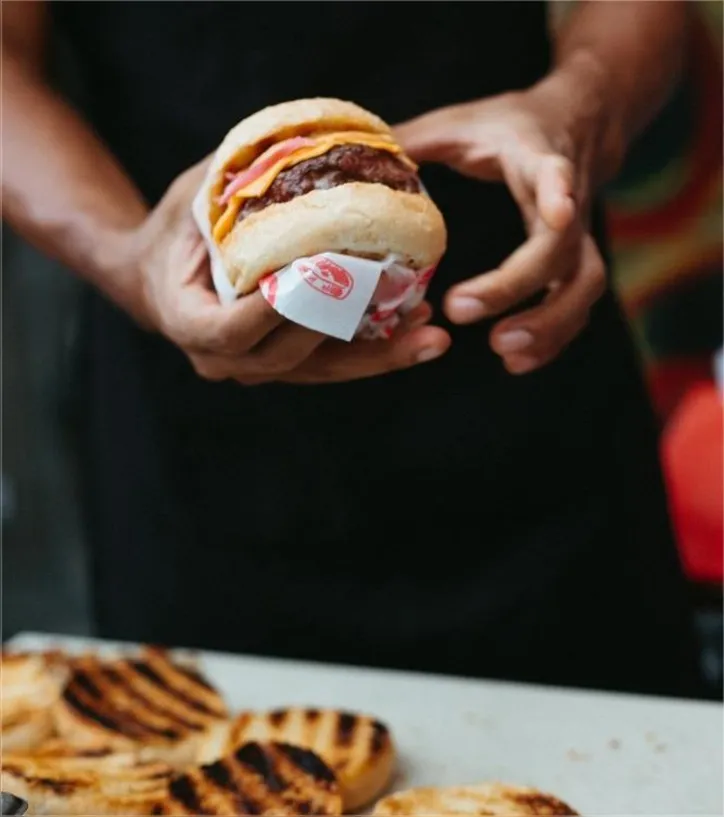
(366, 220)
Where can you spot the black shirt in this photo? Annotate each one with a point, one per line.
(450, 517)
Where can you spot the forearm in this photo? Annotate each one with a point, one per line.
(62, 190)
(617, 61)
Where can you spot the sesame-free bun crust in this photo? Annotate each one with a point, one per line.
(494, 799)
(299, 117)
(367, 220)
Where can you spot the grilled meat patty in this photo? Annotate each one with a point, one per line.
(340, 165)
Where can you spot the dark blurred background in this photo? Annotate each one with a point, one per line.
(666, 220)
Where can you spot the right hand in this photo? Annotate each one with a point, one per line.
(247, 340)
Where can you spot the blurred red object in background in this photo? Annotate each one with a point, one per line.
(693, 460)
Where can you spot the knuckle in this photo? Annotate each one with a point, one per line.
(561, 164)
(501, 295)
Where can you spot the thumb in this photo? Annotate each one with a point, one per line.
(429, 137)
(555, 184)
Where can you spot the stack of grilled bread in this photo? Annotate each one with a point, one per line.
(147, 733)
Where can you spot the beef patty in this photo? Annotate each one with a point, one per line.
(340, 165)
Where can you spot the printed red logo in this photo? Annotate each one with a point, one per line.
(326, 277)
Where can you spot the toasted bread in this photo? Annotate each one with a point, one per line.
(357, 748)
(270, 779)
(63, 756)
(86, 783)
(485, 799)
(148, 703)
(30, 685)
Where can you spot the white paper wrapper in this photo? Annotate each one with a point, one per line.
(339, 295)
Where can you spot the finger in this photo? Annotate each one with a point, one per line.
(228, 329)
(282, 350)
(210, 367)
(536, 336)
(545, 257)
(339, 361)
(418, 316)
(554, 186)
(428, 138)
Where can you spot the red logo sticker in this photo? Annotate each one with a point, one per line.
(326, 277)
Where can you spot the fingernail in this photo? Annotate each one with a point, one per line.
(428, 354)
(521, 365)
(513, 341)
(467, 308)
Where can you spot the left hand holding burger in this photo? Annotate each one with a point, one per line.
(546, 144)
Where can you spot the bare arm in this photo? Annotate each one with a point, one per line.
(620, 58)
(65, 193)
(62, 190)
(553, 144)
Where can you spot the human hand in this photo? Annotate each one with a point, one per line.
(247, 340)
(547, 146)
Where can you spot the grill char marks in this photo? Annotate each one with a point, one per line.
(257, 779)
(183, 791)
(68, 783)
(380, 737)
(345, 728)
(340, 165)
(541, 804)
(254, 756)
(312, 764)
(356, 747)
(40, 780)
(486, 798)
(147, 700)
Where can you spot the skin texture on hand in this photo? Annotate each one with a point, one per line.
(247, 340)
(553, 145)
(65, 193)
(513, 139)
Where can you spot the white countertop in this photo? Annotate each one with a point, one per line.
(604, 754)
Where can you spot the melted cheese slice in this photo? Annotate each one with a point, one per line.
(323, 144)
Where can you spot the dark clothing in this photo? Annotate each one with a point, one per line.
(449, 518)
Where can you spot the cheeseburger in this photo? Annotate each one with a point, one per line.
(313, 176)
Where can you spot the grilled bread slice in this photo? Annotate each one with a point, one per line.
(86, 783)
(270, 779)
(357, 748)
(30, 684)
(129, 704)
(64, 757)
(488, 799)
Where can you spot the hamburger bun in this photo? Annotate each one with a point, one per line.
(352, 207)
(494, 799)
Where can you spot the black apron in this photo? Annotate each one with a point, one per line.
(449, 518)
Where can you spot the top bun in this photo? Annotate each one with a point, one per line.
(364, 219)
(245, 141)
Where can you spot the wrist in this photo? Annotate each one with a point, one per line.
(582, 95)
(119, 272)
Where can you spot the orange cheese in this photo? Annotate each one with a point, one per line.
(323, 143)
